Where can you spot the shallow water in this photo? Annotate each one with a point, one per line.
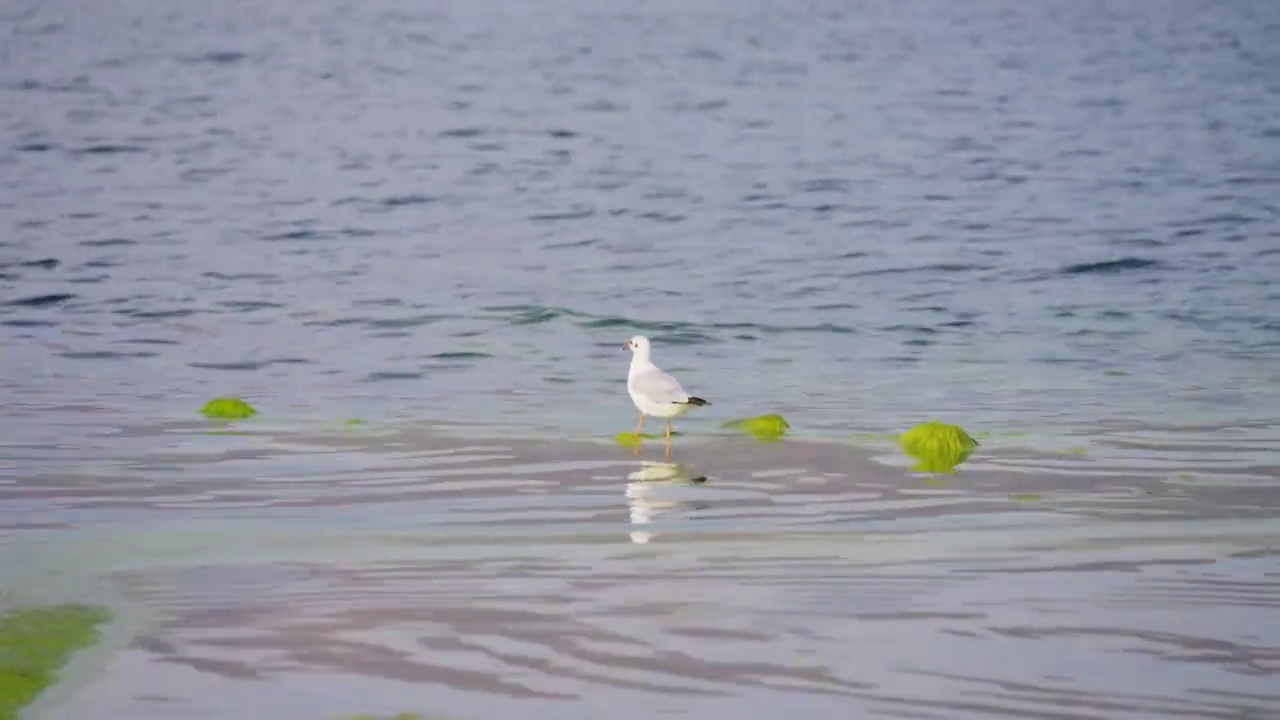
(297, 573)
(1054, 224)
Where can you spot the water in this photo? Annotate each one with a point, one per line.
(1054, 224)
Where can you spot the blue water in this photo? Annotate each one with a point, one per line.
(1054, 218)
(1003, 214)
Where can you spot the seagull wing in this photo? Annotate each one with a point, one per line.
(659, 387)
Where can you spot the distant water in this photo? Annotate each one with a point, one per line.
(1055, 221)
(1005, 214)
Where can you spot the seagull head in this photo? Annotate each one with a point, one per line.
(638, 345)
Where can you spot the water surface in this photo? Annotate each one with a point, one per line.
(1052, 223)
(408, 570)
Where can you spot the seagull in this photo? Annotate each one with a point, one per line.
(653, 391)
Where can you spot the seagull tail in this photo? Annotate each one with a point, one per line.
(696, 401)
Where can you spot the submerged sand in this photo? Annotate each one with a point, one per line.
(286, 573)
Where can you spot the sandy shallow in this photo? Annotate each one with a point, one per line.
(290, 573)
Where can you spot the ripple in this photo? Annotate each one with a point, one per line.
(216, 57)
(460, 355)
(1109, 266)
(578, 214)
(43, 264)
(387, 203)
(27, 323)
(821, 185)
(401, 200)
(107, 149)
(304, 234)
(249, 305)
(388, 375)
(232, 277)
(248, 365)
(572, 244)
(465, 132)
(932, 268)
(41, 300)
(679, 331)
(158, 314)
(409, 322)
(602, 106)
(103, 355)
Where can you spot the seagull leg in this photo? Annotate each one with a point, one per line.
(668, 441)
(639, 427)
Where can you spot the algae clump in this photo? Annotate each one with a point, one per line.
(630, 439)
(35, 643)
(937, 447)
(761, 427)
(228, 409)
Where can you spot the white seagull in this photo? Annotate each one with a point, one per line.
(653, 391)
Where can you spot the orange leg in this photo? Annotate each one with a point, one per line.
(668, 441)
(639, 427)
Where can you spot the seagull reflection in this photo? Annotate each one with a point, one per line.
(643, 490)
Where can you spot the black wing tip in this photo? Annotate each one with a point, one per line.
(696, 401)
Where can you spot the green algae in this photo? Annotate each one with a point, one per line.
(630, 439)
(761, 427)
(1026, 497)
(937, 447)
(35, 643)
(226, 408)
